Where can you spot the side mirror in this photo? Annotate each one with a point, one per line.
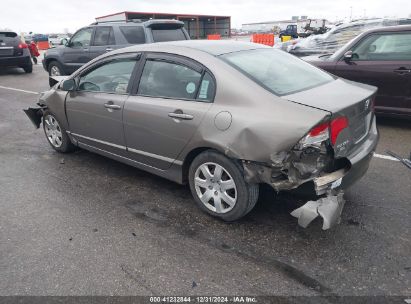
(65, 42)
(68, 85)
(348, 56)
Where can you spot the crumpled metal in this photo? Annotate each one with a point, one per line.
(329, 208)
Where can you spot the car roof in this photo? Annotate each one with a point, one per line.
(137, 22)
(390, 28)
(212, 47)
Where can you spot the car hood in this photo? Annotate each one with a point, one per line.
(333, 96)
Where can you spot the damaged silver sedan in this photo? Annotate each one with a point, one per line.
(221, 116)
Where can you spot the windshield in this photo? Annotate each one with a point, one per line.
(277, 71)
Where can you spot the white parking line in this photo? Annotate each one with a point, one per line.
(19, 90)
(385, 157)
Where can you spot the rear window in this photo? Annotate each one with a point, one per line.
(133, 34)
(277, 71)
(160, 35)
(8, 34)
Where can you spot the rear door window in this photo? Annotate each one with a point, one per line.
(160, 35)
(169, 80)
(104, 36)
(133, 34)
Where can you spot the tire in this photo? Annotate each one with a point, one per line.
(28, 68)
(235, 202)
(54, 68)
(55, 133)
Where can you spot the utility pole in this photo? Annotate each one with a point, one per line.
(350, 13)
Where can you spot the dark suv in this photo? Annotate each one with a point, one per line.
(14, 52)
(99, 38)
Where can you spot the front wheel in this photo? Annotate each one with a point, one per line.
(55, 69)
(56, 135)
(218, 186)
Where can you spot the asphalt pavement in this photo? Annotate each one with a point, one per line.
(81, 224)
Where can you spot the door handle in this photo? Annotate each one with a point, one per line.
(180, 116)
(109, 49)
(112, 106)
(402, 70)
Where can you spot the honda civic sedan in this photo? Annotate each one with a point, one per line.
(222, 116)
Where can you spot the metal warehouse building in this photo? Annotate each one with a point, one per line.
(198, 26)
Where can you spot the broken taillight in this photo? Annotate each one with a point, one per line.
(324, 131)
(316, 136)
(337, 125)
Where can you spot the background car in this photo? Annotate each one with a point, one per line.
(14, 52)
(55, 39)
(99, 38)
(223, 116)
(379, 57)
(337, 37)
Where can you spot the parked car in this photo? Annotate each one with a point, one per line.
(223, 116)
(99, 38)
(14, 52)
(379, 57)
(55, 39)
(338, 36)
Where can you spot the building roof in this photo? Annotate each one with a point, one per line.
(164, 14)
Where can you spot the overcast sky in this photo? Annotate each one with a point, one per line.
(56, 15)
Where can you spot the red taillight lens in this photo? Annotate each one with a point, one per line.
(318, 129)
(22, 46)
(337, 125)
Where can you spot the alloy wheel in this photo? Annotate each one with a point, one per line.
(215, 187)
(55, 71)
(53, 131)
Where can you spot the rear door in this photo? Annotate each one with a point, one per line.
(77, 53)
(103, 41)
(165, 110)
(95, 109)
(383, 60)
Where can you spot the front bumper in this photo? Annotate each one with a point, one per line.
(15, 61)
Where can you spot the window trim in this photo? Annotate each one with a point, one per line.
(175, 59)
(96, 65)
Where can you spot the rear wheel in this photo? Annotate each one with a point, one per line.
(218, 186)
(56, 135)
(28, 68)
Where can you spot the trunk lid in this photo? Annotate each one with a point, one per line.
(342, 98)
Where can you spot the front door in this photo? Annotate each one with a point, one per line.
(164, 113)
(76, 53)
(95, 109)
(382, 60)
